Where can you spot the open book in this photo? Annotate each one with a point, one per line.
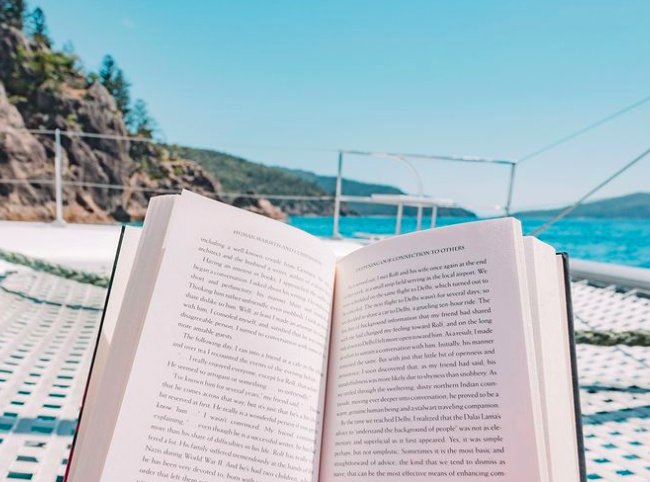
(237, 348)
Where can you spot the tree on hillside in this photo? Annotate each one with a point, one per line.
(112, 77)
(38, 27)
(12, 12)
(121, 93)
(107, 71)
(140, 122)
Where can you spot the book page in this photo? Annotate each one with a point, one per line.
(228, 379)
(429, 374)
(552, 347)
(115, 296)
(100, 419)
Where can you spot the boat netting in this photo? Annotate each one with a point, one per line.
(49, 323)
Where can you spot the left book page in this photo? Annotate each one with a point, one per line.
(227, 382)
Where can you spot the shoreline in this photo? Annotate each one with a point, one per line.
(93, 245)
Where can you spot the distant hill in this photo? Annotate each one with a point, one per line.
(240, 175)
(632, 206)
(356, 188)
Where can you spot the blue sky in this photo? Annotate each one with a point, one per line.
(494, 78)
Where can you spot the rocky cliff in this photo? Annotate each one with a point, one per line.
(108, 179)
(43, 90)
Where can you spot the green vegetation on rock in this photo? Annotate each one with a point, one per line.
(239, 175)
(13, 13)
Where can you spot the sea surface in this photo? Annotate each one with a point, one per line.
(619, 241)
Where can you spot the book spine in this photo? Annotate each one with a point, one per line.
(574, 369)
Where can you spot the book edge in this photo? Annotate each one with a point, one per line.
(574, 368)
(94, 356)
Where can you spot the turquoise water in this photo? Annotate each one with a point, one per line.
(620, 241)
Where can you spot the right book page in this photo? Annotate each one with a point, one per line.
(553, 349)
(432, 370)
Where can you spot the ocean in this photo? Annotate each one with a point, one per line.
(619, 241)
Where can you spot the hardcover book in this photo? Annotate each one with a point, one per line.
(238, 348)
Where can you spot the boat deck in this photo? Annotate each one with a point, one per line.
(48, 326)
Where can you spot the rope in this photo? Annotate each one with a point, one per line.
(54, 269)
(613, 338)
(40, 301)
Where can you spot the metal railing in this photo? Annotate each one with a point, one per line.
(637, 280)
(420, 201)
(58, 181)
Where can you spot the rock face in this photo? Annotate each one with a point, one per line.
(22, 157)
(260, 206)
(105, 179)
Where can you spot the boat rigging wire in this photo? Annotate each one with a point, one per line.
(568, 210)
(584, 130)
